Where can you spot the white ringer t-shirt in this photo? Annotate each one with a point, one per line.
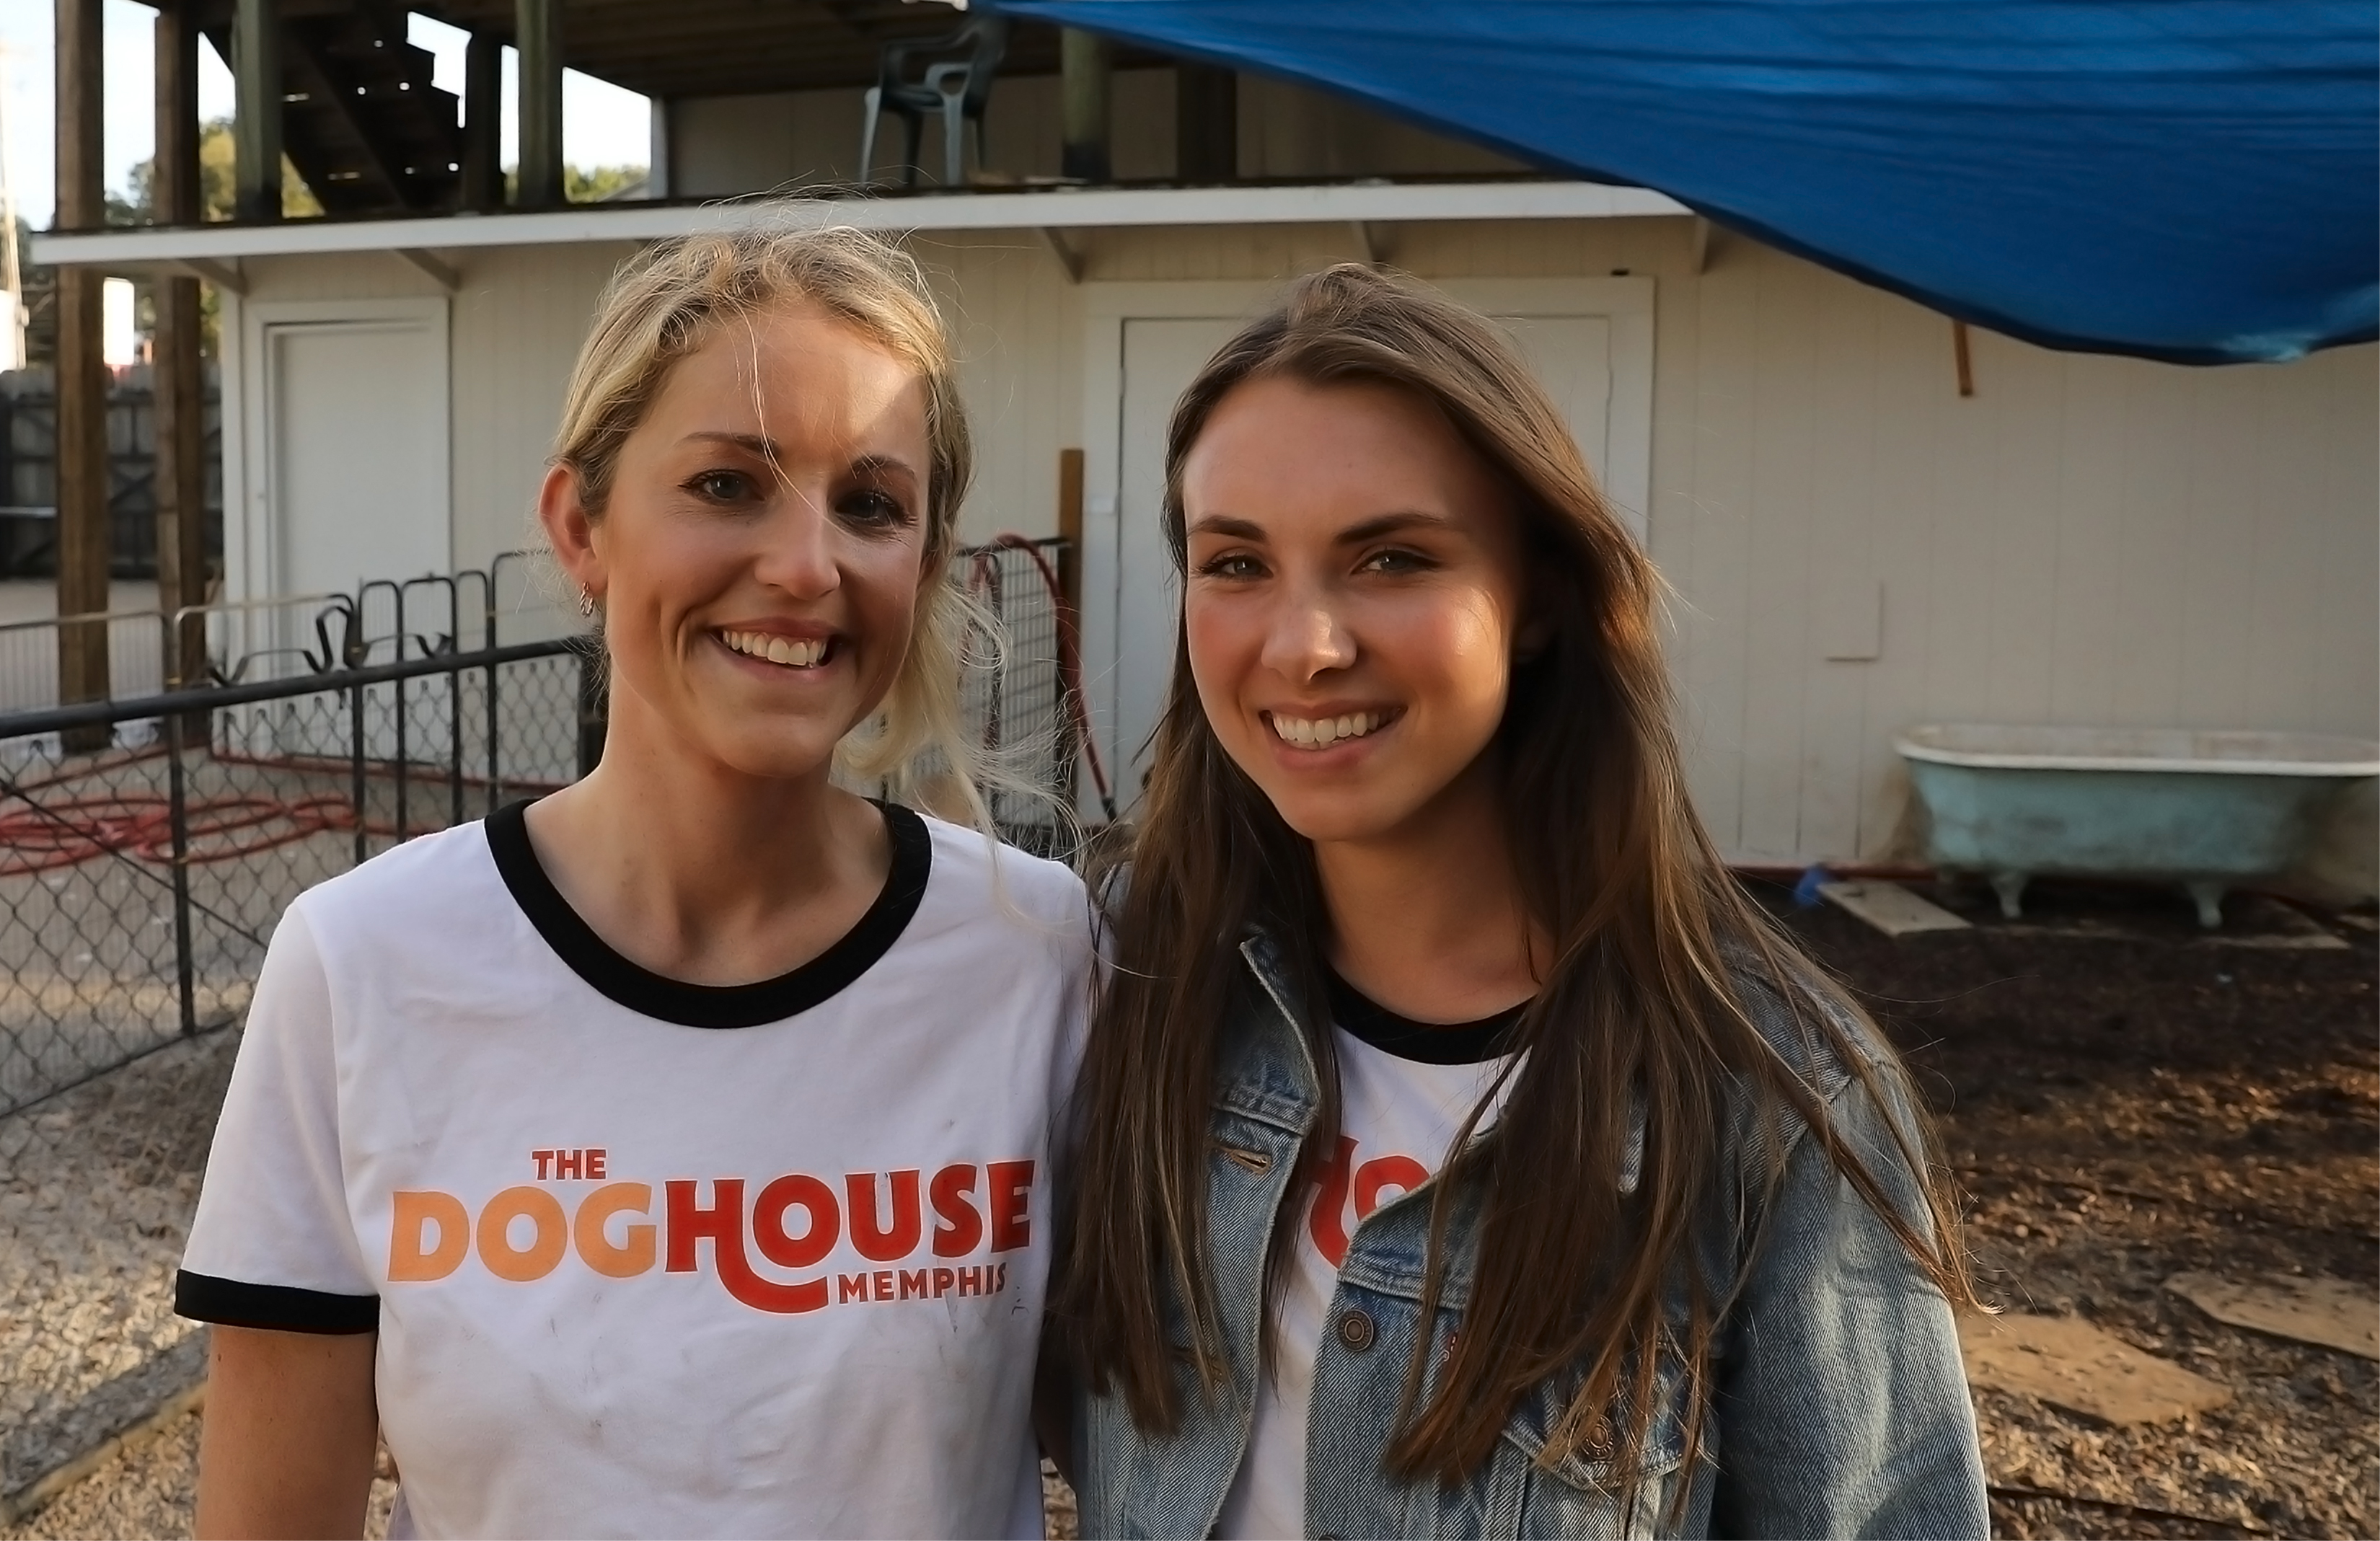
(654, 1258)
(1405, 1088)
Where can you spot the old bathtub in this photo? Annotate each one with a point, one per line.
(2203, 809)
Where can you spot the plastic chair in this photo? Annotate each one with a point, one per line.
(955, 88)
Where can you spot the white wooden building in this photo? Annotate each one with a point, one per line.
(1855, 547)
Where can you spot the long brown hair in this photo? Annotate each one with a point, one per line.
(1643, 1008)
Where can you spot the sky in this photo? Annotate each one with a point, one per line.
(602, 124)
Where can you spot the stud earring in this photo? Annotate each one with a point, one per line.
(586, 600)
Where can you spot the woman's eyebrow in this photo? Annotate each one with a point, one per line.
(756, 443)
(1392, 523)
(1229, 527)
(769, 450)
(882, 465)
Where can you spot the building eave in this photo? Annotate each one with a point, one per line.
(1037, 209)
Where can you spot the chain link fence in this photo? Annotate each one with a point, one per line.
(149, 845)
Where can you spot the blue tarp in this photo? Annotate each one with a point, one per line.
(2194, 180)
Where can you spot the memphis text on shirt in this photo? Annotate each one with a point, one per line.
(522, 1234)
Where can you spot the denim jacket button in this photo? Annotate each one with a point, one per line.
(1355, 1330)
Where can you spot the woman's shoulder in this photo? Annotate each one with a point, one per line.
(1848, 1074)
(982, 875)
(439, 874)
(1804, 1018)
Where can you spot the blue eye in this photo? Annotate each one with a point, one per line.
(1395, 560)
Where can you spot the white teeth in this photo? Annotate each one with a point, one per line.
(1321, 733)
(785, 652)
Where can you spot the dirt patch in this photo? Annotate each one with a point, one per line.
(2125, 1099)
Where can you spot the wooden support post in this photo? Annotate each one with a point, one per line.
(1966, 358)
(83, 539)
(537, 35)
(483, 174)
(1206, 123)
(1070, 612)
(1083, 102)
(179, 375)
(1070, 525)
(256, 109)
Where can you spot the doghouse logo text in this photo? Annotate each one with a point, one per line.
(794, 1222)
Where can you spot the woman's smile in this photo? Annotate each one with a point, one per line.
(777, 650)
(1309, 731)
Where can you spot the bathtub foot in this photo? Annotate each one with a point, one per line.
(2209, 899)
(2009, 886)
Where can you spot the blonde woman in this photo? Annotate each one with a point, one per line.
(669, 1155)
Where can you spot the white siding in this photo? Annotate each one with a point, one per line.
(2084, 540)
(519, 318)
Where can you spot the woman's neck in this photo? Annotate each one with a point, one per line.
(1429, 920)
(705, 875)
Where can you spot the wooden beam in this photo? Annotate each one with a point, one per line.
(179, 377)
(1084, 108)
(1070, 256)
(538, 33)
(256, 111)
(1392, 205)
(1966, 358)
(1070, 526)
(1206, 123)
(483, 176)
(421, 262)
(1070, 605)
(1702, 243)
(228, 277)
(83, 533)
(81, 205)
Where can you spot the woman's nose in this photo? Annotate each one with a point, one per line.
(1306, 638)
(798, 548)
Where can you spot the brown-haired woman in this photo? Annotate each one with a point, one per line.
(1463, 1153)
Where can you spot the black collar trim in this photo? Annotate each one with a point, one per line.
(1463, 1043)
(649, 994)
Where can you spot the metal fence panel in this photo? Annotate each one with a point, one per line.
(140, 886)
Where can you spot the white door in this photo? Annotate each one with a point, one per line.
(347, 444)
(1160, 356)
(1590, 342)
(356, 454)
(1571, 354)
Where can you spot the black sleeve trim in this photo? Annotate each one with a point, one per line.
(230, 1303)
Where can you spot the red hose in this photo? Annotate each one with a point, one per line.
(1070, 661)
(65, 833)
(45, 836)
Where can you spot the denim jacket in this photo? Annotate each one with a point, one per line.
(1841, 1406)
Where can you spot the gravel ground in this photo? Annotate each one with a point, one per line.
(151, 1490)
(96, 1191)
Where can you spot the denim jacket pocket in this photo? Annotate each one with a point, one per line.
(1586, 1493)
